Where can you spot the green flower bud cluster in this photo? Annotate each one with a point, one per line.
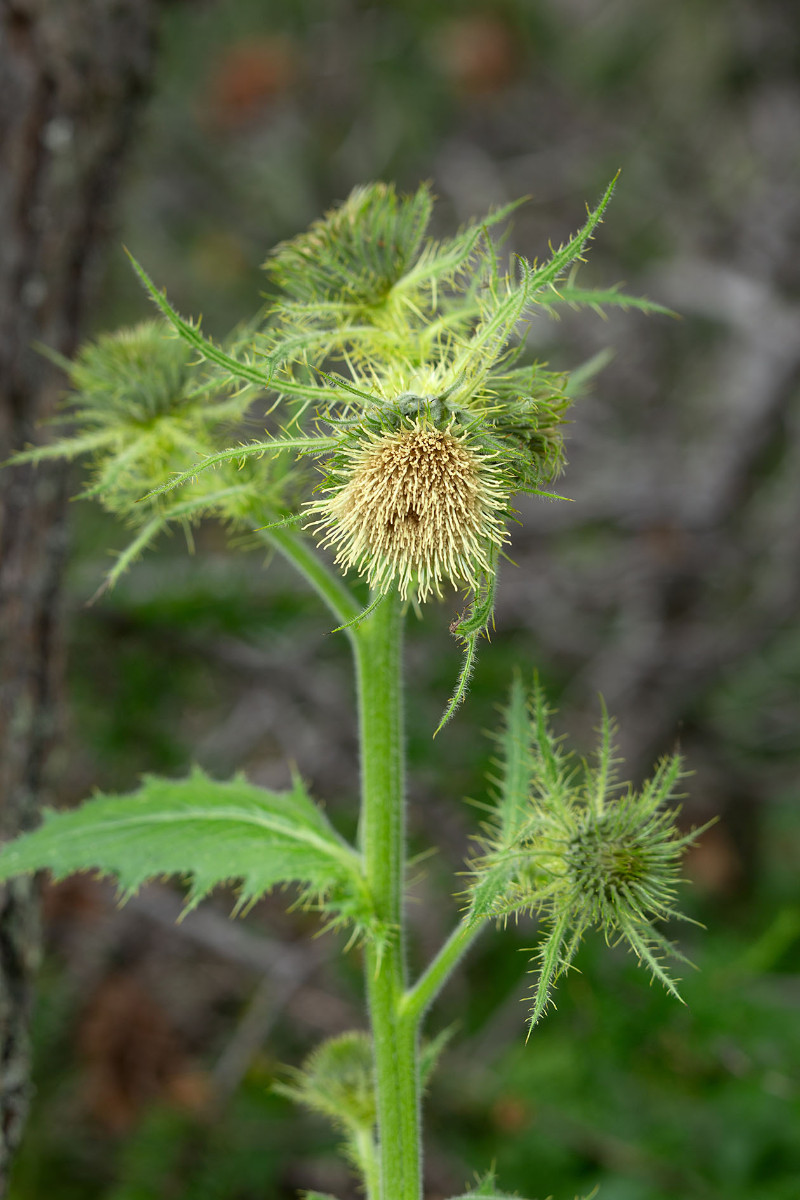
(580, 851)
(377, 336)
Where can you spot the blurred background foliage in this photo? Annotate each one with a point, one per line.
(671, 585)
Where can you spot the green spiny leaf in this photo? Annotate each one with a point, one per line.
(430, 1053)
(296, 445)
(517, 763)
(185, 512)
(68, 448)
(133, 551)
(486, 1189)
(471, 626)
(553, 770)
(552, 960)
(580, 376)
(599, 298)
(191, 334)
(209, 831)
(501, 314)
(440, 262)
(241, 370)
(567, 254)
(462, 684)
(603, 777)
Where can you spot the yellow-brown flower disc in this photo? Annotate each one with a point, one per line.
(414, 507)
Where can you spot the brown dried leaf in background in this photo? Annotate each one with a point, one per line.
(130, 1052)
(248, 76)
(477, 53)
(713, 863)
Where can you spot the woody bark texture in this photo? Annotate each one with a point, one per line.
(72, 75)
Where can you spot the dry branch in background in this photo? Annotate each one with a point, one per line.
(72, 76)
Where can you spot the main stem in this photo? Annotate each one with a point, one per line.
(378, 643)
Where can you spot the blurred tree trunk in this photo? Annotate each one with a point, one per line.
(72, 76)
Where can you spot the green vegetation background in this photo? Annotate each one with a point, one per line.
(156, 1046)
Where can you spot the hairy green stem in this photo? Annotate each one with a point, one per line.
(396, 1012)
(378, 643)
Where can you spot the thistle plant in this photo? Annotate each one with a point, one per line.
(398, 417)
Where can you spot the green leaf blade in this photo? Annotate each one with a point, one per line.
(198, 828)
(599, 298)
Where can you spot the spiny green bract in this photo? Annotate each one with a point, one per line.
(357, 252)
(210, 833)
(568, 843)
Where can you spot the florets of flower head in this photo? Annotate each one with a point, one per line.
(414, 506)
(621, 866)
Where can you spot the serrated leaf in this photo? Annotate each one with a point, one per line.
(295, 445)
(241, 370)
(187, 510)
(68, 448)
(482, 1195)
(501, 314)
(430, 1053)
(486, 1189)
(599, 298)
(462, 683)
(470, 627)
(571, 251)
(200, 828)
(440, 262)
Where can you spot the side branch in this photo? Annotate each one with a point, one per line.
(418, 999)
(334, 593)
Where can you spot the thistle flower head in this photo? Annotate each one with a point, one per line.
(435, 422)
(134, 375)
(414, 506)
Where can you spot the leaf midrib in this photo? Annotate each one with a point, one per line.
(329, 847)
